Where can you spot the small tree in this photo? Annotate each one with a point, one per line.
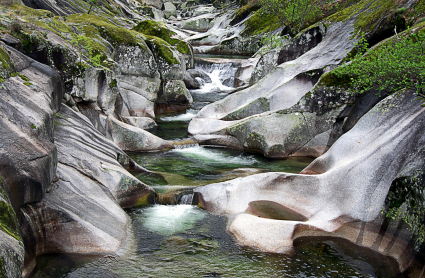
(270, 42)
(293, 14)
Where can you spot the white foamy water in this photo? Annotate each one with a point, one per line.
(182, 117)
(168, 220)
(215, 156)
(218, 74)
(216, 85)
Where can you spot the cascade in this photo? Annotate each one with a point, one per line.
(186, 199)
(219, 79)
(186, 146)
(223, 73)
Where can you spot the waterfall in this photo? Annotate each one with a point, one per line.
(218, 78)
(223, 74)
(186, 146)
(182, 117)
(186, 199)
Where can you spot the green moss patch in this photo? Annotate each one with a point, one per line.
(115, 34)
(368, 13)
(8, 221)
(161, 49)
(330, 79)
(22, 10)
(153, 28)
(5, 59)
(244, 11)
(261, 22)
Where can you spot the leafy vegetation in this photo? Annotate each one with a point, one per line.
(393, 65)
(270, 42)
(293, 14)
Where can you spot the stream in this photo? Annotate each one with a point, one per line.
(185, 241)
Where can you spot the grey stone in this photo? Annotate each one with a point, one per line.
(203, 10)
(174, 92)
(154, 3)
(141, 122)
(200, 23)
(169, 9)
(28, 156)
(341, 193)
(130, 138)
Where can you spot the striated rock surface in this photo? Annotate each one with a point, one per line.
(344, 193)
(11, 246)
(271, 116)
(81, 212)
(29, 99)
(285, 86)
(64, 179)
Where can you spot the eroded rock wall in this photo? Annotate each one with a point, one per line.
(347, 184)
(64, 179)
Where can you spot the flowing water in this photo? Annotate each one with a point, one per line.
(185, 241)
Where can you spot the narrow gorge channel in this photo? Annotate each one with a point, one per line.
(175, 239)
(170, 138)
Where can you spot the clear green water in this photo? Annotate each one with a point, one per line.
(185, 241)
(197, 165)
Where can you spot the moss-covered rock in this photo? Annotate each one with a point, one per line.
(8, 220)
(114, 33)
(11, 245)
(258, 106)
(157, 29)
(174, 92)
(162, 50)
(261, 22)
(280, 135)
(370, 14)
(6, 67)
(245, 11)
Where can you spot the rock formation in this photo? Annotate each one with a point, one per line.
(80, 84)
(341, 193)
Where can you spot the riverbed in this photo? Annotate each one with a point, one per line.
(185, 241)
